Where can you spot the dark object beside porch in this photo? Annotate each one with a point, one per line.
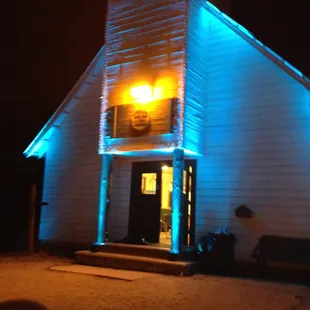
(244, 211)
(217, 252)
(282, 249)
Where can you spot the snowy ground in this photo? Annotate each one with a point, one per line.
(29, 278)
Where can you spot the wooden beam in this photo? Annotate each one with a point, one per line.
(177, 198)
(107, 160)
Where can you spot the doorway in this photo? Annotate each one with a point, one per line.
(151, 202)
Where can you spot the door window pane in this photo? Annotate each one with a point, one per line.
(184, 182)
(148, 183)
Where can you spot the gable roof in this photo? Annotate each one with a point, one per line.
(249, 37)
(38, 146)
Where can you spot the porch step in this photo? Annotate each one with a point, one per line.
(188, 254)
(135, 250)
(135, 262)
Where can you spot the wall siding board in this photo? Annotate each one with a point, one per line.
(145, 40)
(195, 78)
(257, 137)
(72, 172)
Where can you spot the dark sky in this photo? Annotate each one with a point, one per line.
(56, 42)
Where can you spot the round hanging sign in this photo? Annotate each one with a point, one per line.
(140, 120)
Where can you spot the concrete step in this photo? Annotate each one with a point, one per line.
(135, 262)
(187, 254)
(135, 250)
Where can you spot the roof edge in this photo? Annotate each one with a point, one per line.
(262, 48)
(39, 144)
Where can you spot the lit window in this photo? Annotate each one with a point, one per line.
(148, 183)
(184, 182)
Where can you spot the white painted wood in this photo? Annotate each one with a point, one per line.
(145, 41)
(257, 137)
(195, 78)
(72, 171)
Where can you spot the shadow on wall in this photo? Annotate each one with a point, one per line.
(21, 304)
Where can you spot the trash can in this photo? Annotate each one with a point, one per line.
(217, 251)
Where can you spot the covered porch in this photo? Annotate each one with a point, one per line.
(146, 218)
(148, 198)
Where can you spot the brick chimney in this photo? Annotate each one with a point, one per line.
(223, 5)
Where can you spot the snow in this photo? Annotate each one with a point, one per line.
(24, 277)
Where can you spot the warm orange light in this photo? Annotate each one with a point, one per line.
(142, 94)
(165, 87)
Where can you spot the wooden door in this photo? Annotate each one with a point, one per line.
(145, 202)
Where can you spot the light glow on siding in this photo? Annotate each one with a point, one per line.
(291, 69)
(163, 151)
(142, 94)
(177, 197)
(196, 82)
(103, 198)
(38, 150)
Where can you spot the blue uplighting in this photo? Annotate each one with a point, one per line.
(177, 196)
(37, 149)
(103, 199)
(269, 53)
(153, 152)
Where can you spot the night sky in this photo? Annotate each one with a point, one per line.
(51, 44)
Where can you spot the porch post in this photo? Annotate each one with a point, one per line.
(103, 199)
(177, 192)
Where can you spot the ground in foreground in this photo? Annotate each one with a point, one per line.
(30, 278)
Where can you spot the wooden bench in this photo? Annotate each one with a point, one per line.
(282, 249)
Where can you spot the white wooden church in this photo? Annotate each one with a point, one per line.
(181, 117)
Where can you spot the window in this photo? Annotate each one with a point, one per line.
(148, 183)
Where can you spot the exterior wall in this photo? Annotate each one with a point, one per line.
(257, 137)
(196, 77)
(72, 171)
(120, 199)
(145, 43)
(118, 217)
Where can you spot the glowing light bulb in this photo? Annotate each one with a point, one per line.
(142, 94)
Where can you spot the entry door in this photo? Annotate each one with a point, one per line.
(145, 201)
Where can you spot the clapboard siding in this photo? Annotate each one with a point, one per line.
(195, 78)
(133, 26)
(120, 194)
(145, 41)
(257, 137)
(72, 170)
